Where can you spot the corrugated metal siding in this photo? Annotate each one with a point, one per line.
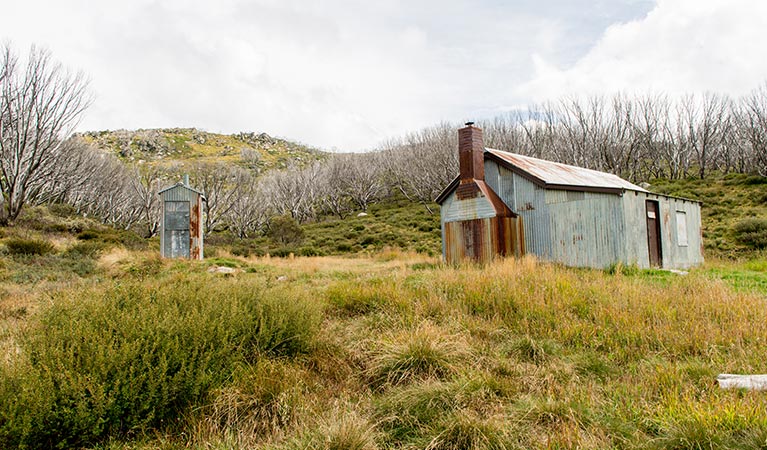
(587, 232)
(179, 193)
(636, 229)
(674, 256)
(585, 229)
(453, 209)
(530, 201)
(194, 249)
(483, 240)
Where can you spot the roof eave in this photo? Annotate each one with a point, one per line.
(448, 190)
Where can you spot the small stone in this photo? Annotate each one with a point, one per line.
(362, 214)
(282, 278)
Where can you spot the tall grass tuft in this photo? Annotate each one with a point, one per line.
(421, 353)
(132, 356)
(466, 430)
(338, 430)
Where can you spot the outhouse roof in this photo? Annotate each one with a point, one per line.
(555, 175)
(181, 185)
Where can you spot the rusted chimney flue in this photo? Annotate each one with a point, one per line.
(471, 153)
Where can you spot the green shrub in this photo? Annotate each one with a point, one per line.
(135, 356)
(241, 250)
(310, 251)
(752, 232)
(285, 230)
(87, 235)
(19, 246)
(88, 249)
(283, 252)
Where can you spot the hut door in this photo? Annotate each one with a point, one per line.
(177, 229)
(653, 233)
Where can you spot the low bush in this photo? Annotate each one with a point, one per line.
(285, 230)
(20, 246)
(752, 232)
(135, 355)
(88, 249)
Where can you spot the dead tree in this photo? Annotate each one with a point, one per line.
(39, 106)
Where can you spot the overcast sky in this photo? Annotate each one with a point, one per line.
(347, 75)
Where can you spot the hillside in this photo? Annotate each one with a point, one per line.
(258, 152)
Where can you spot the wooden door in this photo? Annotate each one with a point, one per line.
(653, 233)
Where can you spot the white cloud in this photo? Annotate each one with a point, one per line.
(680, 46)
(336, 73)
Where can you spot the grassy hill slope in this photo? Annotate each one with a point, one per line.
(163, 146)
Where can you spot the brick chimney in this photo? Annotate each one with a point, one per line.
(471, 153)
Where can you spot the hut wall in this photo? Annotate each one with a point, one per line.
(529, 201)
(681, 243)
(483, 240)
(587, 229)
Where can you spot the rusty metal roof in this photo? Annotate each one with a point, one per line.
(562, 176)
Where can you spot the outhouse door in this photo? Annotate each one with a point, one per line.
(177, 239)
(653, 233)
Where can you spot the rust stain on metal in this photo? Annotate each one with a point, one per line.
(563, 175)
(195, 227)
(482, 240)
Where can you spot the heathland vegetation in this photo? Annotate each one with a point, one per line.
(106, 345)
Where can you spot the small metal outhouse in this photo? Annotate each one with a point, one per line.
(181, 221)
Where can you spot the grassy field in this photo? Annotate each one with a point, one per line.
(388, 350)
(375, 344)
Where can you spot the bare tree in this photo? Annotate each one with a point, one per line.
(294, 191)
(361, 177)
(707, 122)
(752, 127)
(39, 106)
(421, 164)
(219, 183)
(332, 196)
(250, 209)
(145, 184)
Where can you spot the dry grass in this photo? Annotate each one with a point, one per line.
(516, 354)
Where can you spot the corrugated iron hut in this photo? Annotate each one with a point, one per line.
(181, 221)
(575, 216)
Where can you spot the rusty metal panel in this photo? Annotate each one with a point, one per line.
(482, 240)
(553, 173)
(453, 209)
(196, 230)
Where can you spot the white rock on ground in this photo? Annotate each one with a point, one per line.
(752, 382)
(221, 269)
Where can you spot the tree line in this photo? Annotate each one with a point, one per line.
(636, 137)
